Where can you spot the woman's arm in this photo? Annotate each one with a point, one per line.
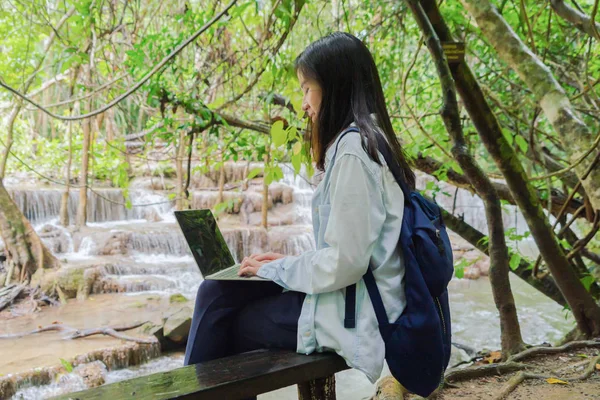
(356, 218)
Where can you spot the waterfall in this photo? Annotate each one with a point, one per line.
(169, 242)
(43, 205)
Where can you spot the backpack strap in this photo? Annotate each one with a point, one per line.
(375, 296)
(395, 169)
(350, 311)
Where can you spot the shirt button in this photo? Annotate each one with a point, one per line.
(307, 301)
(307, 333)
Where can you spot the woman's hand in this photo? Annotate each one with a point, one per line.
(251, 265)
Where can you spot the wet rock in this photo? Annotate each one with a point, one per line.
(69, 278)
(234, 171)
(209, 199)
(177, 325)
(472, 272)
(177, 298)
(90, 276)
(281, 193)
(152, 215)
(55, 238)
(93, 374)
(123, 356)
(484, 266)
(128, 284)
(117, 244)
(199, 181)
(7, 387)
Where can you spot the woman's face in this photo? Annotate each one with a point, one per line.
(311, 102)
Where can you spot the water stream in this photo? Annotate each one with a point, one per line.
(141, 252)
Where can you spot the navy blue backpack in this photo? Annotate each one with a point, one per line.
(417, 345)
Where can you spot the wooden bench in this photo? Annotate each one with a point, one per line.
(235, 377)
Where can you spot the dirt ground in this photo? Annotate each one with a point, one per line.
(566, 365)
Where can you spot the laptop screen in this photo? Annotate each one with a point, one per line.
(205, 240)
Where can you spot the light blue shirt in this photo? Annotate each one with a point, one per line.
(357, 216)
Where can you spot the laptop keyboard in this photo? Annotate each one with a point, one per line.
(227, 273)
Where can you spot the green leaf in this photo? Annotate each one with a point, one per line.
(277, 173)
(254, 172)
(268, 178)
(587, 282)
(522, 143)
(292, 133)
(278, 134)
(83, 7)
(459, 272)
(297, 162)
(515, 259)
(508, 136)
(239, 10)
(297, 148)
(68, 366)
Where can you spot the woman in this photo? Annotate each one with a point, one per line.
(357, 216)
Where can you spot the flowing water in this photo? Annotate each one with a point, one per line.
(142, 259)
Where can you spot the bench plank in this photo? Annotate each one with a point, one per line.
(234, 377)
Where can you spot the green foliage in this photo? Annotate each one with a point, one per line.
(587, 281)
(68, 366)
(459, 267)
(515, 259)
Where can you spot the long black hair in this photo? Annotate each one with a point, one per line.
(351, 91)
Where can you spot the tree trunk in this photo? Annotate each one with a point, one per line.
(23, 247)
(265, 199)
(9, 138)
(221, 170)
(575, 135)
(64, 201)
(585, 310)
(179, 156)
(83, 178)
(512, 342)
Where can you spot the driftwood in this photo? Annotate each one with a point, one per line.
(9, 293)
(78, 333)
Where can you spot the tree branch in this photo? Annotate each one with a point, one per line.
(546, 284)
(579, 20)
(429, 165)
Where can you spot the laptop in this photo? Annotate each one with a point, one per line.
(208, 246)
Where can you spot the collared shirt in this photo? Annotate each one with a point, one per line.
(357, 214)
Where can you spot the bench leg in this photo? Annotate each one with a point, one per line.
(318, 389)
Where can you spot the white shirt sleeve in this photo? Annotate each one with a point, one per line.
(356, 217)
